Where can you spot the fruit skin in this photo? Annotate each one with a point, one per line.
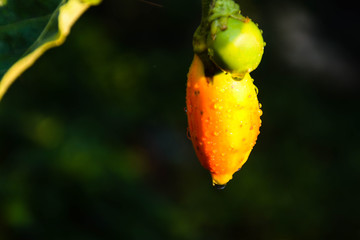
(239, 48)
(223, 118)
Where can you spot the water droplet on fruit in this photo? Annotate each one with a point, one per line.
(185, 109)
(189, 108)
(232, 147)
(218, 186)
(216, 133)
(188, 133)
(237, 106)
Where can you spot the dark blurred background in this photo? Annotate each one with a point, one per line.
(93, 137)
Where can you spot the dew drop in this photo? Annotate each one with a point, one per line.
(219, 186)
(189, 108)
(188, 133)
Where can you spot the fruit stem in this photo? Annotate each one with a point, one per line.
(205, 4)
(200, 35)
(214, 18)
(200, 38)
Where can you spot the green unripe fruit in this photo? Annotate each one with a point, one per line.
(238, 49)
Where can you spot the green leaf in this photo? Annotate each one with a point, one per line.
(29, 28)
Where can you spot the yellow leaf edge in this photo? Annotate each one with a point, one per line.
(69, 13)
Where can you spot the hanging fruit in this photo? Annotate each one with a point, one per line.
(222, 106)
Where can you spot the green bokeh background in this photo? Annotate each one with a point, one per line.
(93, 138)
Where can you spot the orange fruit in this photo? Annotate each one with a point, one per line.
(223, 118)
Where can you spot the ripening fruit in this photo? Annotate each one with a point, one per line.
(223, 118)
(239, 48)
